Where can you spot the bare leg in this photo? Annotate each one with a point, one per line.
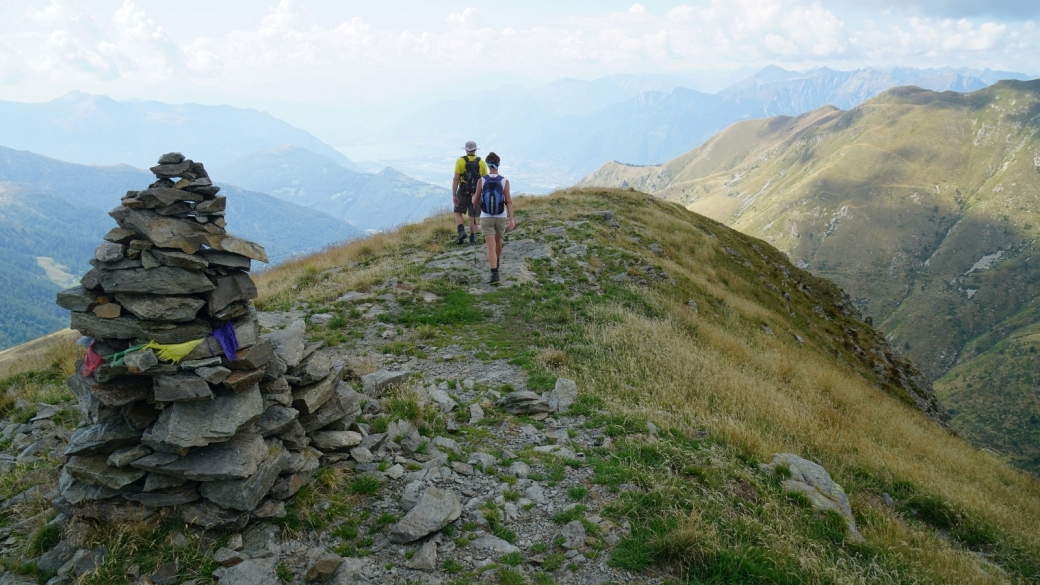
(459, 220)
(494, 248)
(498, 250)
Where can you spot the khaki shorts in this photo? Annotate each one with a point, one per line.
(493, 226)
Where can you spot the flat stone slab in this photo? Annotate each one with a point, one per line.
(435, 510)
(235, 286)
(101, 438)
(335, 440)
(309, 399)
(524, 402)
(161, 308)
(182, 388)
(95, 470)
(237, 458)
(126, 327)
(373, 384)
(245, 494)
(196, 424)
(289, 342)
(163, 280)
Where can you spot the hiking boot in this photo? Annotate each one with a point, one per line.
(473, 239)
(495, 280)
(462, 237)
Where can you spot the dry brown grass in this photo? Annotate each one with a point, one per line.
(39, 354)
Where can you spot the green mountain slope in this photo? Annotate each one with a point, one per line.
(924, 206)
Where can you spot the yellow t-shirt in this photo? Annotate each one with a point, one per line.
(460, 167)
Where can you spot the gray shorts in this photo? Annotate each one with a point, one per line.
(493, 226)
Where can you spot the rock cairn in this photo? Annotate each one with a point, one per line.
(185, 405)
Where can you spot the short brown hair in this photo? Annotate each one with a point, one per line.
(493, 159)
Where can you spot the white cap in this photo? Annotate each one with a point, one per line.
(470, 146)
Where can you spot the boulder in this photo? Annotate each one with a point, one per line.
(95, 470)
(435, 510)
(77, 299)
(181, 388)
(102, 438)
(174, 496)
(130, 328)
(259, 571)
(276, 420)
(309, 399)
(563, 395)
(813, 481)
(321, 564)
(237, 458)
(163, 280)
(345, 402)
(165, 232)
(335, 440)
(180, 259)
(139, 362)
(195, 424)
(161, 308)
(524, 402)
(225, 259)
(375, 383)
(289, 342)
(245, 494)
(235, 286)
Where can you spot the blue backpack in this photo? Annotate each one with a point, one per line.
(492, 196)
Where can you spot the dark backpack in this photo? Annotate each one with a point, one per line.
(468, 180)
(493, 195)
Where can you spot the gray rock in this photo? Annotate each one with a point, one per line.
(250, 572)
(91, 394)
(295, 438)
(574, 535)
(226, 557)
(309, 399)
(241, 380)
(156, 481)
(77, 299)
(425, 559)
(180, 259)
(316, 367)
(446, 443)
(289, 342)
(174, 496)
(443, 400)
(53, 559)
(558, 232)
(813, 481)
(345, 402)
(102, 438)
(354, 297)
(221, 259)
(269, 509)
(321, 318)
(213, 206)
(213, 374)
(95, 470)
(131, 328)
(237, 458)
(164, 280)
(436, 508)
(165, 232)
(148, 260)
(161, 308)
(276, 420)
(109, 252)
(524, 402)
(362, 455)
(124, 457)
(519, 469)
(462, 468)
(576, 250)
(335, 440)
(209, 516)
(321, 564)
(236, 286)
(482, 459)
(373, 384)
(171, 158)
(404, 433)
(77, 492)
(476, 413)
(181, 388)
(245, 330)
(195, 424)
(139, 362)
(493, 544)
(563, 395)
(240, 246)
(245, 494)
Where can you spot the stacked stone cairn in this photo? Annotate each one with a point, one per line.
(219, 439)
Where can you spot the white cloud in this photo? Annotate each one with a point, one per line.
(288, 54)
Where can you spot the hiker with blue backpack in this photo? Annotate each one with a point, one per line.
(496, 212)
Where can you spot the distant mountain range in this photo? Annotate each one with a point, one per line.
(368, 201)
(53, 214)
(552, 136)
(925, 207)
(98, 130)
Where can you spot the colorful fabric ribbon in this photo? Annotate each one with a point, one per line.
(172, 352)
(92, 361)
(228, 340)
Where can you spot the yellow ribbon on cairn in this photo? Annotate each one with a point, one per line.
(173, 352)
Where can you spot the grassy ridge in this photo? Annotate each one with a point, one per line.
(924, 206)
(719, 374)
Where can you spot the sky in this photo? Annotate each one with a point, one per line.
(354, 52)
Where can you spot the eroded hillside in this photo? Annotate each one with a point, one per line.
(922, 205)
(653, 475)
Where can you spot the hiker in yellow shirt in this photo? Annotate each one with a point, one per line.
(468, 170)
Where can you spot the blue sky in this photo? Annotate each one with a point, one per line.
(351, 51)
